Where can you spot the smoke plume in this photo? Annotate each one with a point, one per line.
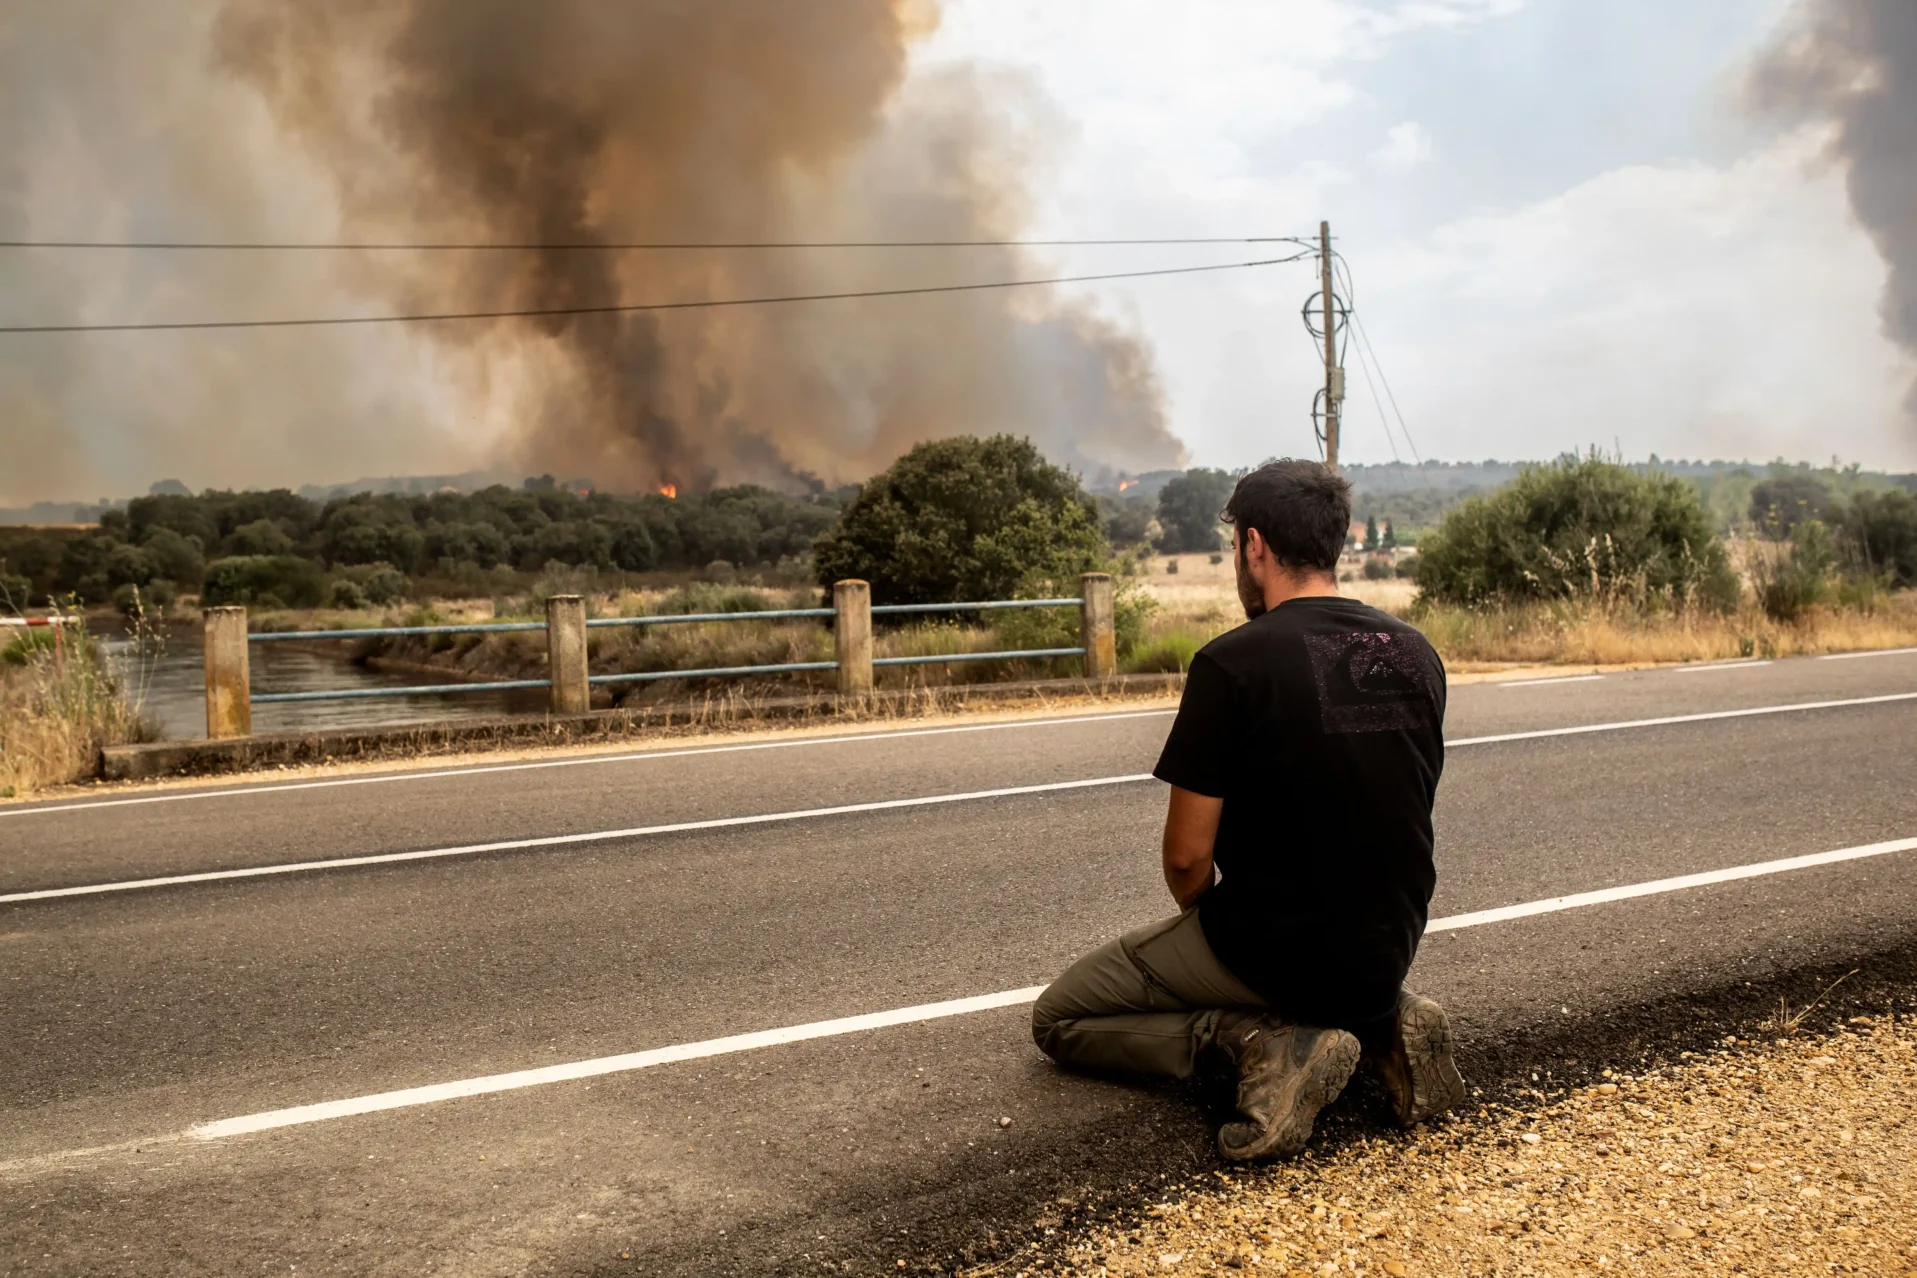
(1854, 62)
(566, 122)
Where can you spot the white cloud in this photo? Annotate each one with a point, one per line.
(1687, 309)
(1406, 147)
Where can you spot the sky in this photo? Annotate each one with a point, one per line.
(1564, 227)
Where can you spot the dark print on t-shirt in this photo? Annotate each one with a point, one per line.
(1369, 681)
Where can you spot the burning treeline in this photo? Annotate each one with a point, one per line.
(580, 123)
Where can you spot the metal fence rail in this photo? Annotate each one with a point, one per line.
(230, 698)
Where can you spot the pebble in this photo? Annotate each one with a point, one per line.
(1005, 1122)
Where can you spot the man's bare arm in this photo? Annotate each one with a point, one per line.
(1191, 826)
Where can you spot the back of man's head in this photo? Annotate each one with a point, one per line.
(1302, 509)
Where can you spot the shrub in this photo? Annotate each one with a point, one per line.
(378, 583)
(1168, 654)
(136, 601)
(264, 581)
(1582, 527)
(346, 595)
(963, 518)
(1188, 509)
(1379, 570)
(15, 592)
(1782, 502)
(709, 596)
(1791, 580)
(1881, 529)
(1408, 567)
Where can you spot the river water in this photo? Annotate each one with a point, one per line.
(170, 686)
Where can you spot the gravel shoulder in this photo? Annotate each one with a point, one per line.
(1771, 1155)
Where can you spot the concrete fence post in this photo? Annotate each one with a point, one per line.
(852, 638)
(566, 654)
(229, 692)
(1095, 625)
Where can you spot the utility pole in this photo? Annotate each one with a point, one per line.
(1334, 375)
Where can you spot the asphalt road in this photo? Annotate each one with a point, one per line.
(132, 1016)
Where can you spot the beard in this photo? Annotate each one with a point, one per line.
(1250, 593)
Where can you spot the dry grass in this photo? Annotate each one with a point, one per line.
(1200, 601)
(1795, 1157)
(1576, 634)
(60, 703)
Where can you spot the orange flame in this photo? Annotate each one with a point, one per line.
(1125, 484)
(668, 490)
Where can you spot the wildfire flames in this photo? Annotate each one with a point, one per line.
(668, 490)
(1125, 484)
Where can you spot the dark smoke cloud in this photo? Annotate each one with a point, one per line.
(567, 120)
(578, 121)
(1854, 62)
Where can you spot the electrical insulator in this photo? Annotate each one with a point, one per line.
(1338, 385)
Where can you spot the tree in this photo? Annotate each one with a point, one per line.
(1390, 541)
(1371, 533)
(1581, 526)
(1188, 510)
(964, 518)
(1782, 502)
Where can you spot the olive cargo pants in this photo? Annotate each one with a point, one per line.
(1147, 1003)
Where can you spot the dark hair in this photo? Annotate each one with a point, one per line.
(1301, 508)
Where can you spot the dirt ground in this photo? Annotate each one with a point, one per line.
(1788, 1156)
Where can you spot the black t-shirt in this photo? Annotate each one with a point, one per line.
(1320, 724)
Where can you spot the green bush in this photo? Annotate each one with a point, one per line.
(1792, 581)
(136, 601)
(378, 583)
(15, 592)
(344, 593)
(1168, 654)
(1881, 529)
(1408, 567)
(1379, 570)
(1581, 527)
(964, 518)
(1779, 504)
(264, 581)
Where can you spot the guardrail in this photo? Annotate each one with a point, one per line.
(230, 698)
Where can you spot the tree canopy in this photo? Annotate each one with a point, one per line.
(964, 518)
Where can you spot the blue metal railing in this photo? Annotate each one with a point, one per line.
(660, 619)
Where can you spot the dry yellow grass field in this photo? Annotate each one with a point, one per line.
(1200, 600)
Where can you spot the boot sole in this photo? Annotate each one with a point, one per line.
(1316, 1084)
(1436, 1084)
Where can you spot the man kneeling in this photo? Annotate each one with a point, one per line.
(1298, 846)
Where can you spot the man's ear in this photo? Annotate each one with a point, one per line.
(1255, 548)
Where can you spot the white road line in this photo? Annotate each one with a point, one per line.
(433, 1093)
(1535, 683)
(768, 818)
(610, 1064)
(1881, 652)
(1706, 667)
(1535, 734)
(632, 756)
(561, 840)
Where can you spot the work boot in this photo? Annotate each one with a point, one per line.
(1417, 1069)
(1286, 1074)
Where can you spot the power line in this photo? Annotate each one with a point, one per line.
(1378, 403)
(1365, 339)
(636, 307)
(295, 246)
